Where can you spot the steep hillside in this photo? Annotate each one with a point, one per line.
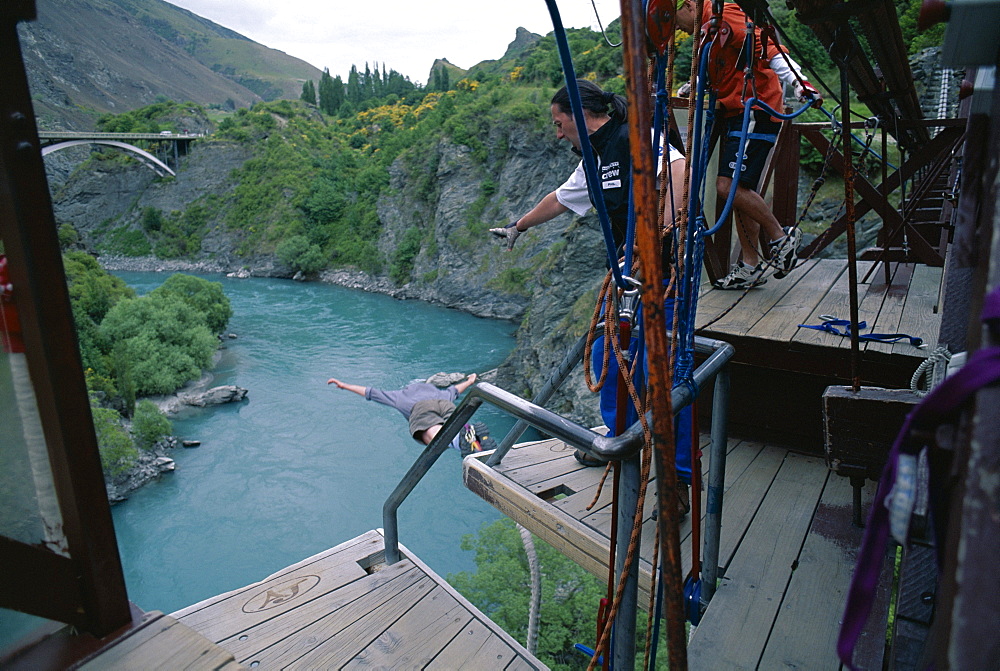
(86, 56)
(393, 194)
(424, 238)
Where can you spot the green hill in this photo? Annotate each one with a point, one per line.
(86, 57)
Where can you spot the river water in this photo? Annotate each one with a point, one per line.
(301, 466)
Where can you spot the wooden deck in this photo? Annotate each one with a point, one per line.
(344, 608)
(767, 319)
(780, 370)
(787, 551)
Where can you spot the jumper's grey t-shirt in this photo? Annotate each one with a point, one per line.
(405, 398)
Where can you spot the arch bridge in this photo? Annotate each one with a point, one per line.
(55, 140)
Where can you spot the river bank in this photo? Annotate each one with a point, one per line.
(267, 267)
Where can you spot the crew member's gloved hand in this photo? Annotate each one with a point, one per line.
(806, 92)
(508, 233)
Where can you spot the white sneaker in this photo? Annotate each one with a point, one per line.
(783, 252)
(740, 277)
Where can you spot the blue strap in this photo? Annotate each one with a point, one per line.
(766, 137)
(589, 164)
(589, 652)
(830, 326)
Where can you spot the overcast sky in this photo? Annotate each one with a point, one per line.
(405, 35)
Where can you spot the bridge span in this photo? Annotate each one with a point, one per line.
(55, 140)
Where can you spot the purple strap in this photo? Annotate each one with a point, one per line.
(941, 404)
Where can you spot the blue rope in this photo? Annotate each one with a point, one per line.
(596, 194)
(868, 150)
(830, 326)
(694, 243)
(655, 643)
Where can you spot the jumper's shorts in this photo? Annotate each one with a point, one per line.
(426, 414)
(763, 133)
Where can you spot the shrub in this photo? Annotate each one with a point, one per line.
(500, 588)
(127, 242)
(118, 454)
(161, 340)
(149, 424)
(151, 219)
(68, 237)
(92, 289)
(406, 252)
(204, 296)
(299, 254)
(512, 280)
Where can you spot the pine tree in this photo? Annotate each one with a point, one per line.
(327, 101)
(338, 93)
(309, 92)
(354, 86)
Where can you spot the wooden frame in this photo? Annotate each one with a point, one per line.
(88, 589)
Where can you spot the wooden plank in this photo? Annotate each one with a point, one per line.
(546, 470)
(474, 648)
(739, 459)
(524, 660)
(873, 297)
(736, 625)
(920, 316)
(565, 482)
(163, 643)
(306, 626)
(413, 640)
(531, 454)
(814, 602)
(574, 539)
(222, 616)
(521, 664)
(887, 319)
(781, 322)
(742, 500)
(576, 504)
(836, 302)
(330, 642)
(754, 306)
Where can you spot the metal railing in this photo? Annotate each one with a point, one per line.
(619, 448)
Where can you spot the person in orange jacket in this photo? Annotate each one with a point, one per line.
(771, 68)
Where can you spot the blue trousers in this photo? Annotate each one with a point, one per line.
(609, 399)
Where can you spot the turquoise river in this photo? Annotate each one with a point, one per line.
(301, 466)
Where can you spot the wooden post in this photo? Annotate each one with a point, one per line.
(99, 602)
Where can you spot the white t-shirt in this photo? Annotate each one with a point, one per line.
(573, 193)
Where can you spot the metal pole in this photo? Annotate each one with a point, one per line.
(556, 378)
(628, 503)
(716, 484)
(852, 268)
(437, 447)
